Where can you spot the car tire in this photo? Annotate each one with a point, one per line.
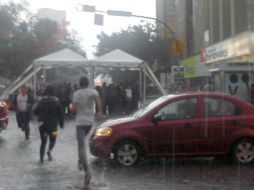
(127, 153)
(243, 151)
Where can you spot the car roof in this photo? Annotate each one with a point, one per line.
(201, 93)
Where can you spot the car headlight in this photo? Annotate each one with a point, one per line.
(103, 132)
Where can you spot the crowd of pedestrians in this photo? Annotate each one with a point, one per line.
(118, 99)
(50, 105)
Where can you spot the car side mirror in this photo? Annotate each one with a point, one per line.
(155, 119)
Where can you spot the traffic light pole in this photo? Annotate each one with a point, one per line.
(176, 46)
(157, 20)
(89, 8)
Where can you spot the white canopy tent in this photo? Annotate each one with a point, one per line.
(120, 59)
(68, 58)
(117, 58)
(64, 57)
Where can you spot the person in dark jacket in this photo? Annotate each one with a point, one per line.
(22, 104)
(50, 113)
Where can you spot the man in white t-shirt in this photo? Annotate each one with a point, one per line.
(85, 103)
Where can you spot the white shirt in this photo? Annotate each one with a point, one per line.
(128, 93)
(86, 106)
(22, 102)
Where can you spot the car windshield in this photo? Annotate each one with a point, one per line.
(145, 108)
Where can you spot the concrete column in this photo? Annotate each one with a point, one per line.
(211, 20)
(232, 13)
(221, 19)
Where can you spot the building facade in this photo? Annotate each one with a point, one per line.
(177, 14)
(219, 41)
(224, 45)
(220, 19)
(200, 23)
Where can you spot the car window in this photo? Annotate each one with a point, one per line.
(149, 106)
(220, 107)
(180, 109)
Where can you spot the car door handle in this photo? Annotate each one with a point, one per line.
(188, 125)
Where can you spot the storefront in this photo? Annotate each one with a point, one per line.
(195, 73)
(231, 65)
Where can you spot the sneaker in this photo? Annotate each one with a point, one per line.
(41, 161)
(87, 179)
(50, 158)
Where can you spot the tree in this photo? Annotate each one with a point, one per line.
(15, 38)
(24, 37)
(141, 41)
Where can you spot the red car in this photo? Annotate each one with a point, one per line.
(3, 115)
(190, 124)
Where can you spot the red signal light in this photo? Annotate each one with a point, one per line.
(86, 8)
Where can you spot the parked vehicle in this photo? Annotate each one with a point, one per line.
(189, 124)
(3, 115)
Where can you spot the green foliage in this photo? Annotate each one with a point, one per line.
(24, 37)
(141, 41)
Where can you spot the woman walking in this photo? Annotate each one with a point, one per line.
(50, 113)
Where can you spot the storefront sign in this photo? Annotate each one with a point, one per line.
(194, 68)
(228, 49)
(189, 67)
(177, 73)
(216, 52)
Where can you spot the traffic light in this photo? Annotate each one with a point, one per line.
(86, 8)
(98, 19)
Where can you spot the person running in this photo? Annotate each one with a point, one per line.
(84, 102)
(23, 103)
(50, 113)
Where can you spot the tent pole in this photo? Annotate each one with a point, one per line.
(17, 80)
(44, 75)
(35, 85)
(91, 82)
(155, 80)
(144, 86)
(29, 77)
(140, 84)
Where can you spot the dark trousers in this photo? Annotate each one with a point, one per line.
(45, 133)
(23, 119)
(81, 132)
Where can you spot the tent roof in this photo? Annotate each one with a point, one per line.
(117, 58)
(64, 57)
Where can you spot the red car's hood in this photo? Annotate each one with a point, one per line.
(113, 122)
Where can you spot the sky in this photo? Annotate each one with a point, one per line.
(83, 22)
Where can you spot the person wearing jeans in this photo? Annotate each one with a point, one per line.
(50, 113)
(85, 102)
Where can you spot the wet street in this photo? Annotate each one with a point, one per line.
(20, 168)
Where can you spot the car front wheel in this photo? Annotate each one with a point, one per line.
(127, 153)
(244, 151)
